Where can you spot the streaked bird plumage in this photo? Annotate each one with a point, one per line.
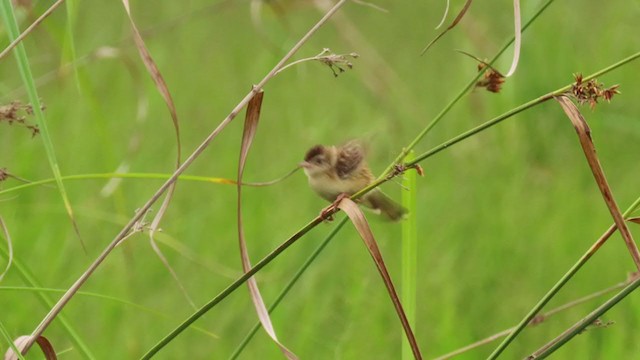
(335, 170)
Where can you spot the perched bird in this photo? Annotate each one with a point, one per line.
(336, 170)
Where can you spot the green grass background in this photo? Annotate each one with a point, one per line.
(501, 216)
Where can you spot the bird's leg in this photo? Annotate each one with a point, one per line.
(327, 213)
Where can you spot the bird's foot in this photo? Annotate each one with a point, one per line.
(327, 213)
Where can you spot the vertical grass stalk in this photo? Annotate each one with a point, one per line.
(409, 253)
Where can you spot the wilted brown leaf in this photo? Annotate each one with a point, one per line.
(360, 222)
(250, 126)
(584, 134)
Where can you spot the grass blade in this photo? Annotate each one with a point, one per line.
(105, 298)
(163, 89)
(13, 350)
(288, 287)
(7, 237)
(584, 134)
(250, 127)
(31, 27)
(158, 176)
(409, 252)
(576, 329)
(25, 72)
(455, 22)
(29, 279)
(517, 37)
(69, 49)
(444, 16)
(360, 222)
(559, 284)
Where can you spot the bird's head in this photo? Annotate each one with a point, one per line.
(317, 161)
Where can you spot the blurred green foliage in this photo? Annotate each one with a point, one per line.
(502, 215)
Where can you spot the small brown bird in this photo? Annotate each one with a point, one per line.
(336, 170)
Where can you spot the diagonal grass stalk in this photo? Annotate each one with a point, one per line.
(459, 96)
(559, 284)
(243, 344)
(29, 279)
(582, 324)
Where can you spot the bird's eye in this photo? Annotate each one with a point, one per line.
(317, 160)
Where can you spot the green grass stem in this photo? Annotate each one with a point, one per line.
(409, 253)
(582, 324)
(288, 287)
(558, 285)
(459, 96)
(7, 337)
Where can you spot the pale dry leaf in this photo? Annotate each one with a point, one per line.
(7, 237)
(22, 341)
(250, 126)
(518, 38)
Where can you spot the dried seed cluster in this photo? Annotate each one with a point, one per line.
(590, 91)
(492, 79)
(16, 112)
(336, 61)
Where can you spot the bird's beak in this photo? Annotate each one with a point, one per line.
(304, 164)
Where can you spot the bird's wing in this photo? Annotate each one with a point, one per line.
(350, 156)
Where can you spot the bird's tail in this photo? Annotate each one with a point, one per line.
(388, 208)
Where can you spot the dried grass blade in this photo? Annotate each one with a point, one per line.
(250, 126)
(31, 27)
(444, 16)
(517, 36)
(6, 9)
(360, 222)
(151, 66)
(161, 85)
(22, 341)
(634, 220)
(584, 134)
(9, 247)
(453, 24)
